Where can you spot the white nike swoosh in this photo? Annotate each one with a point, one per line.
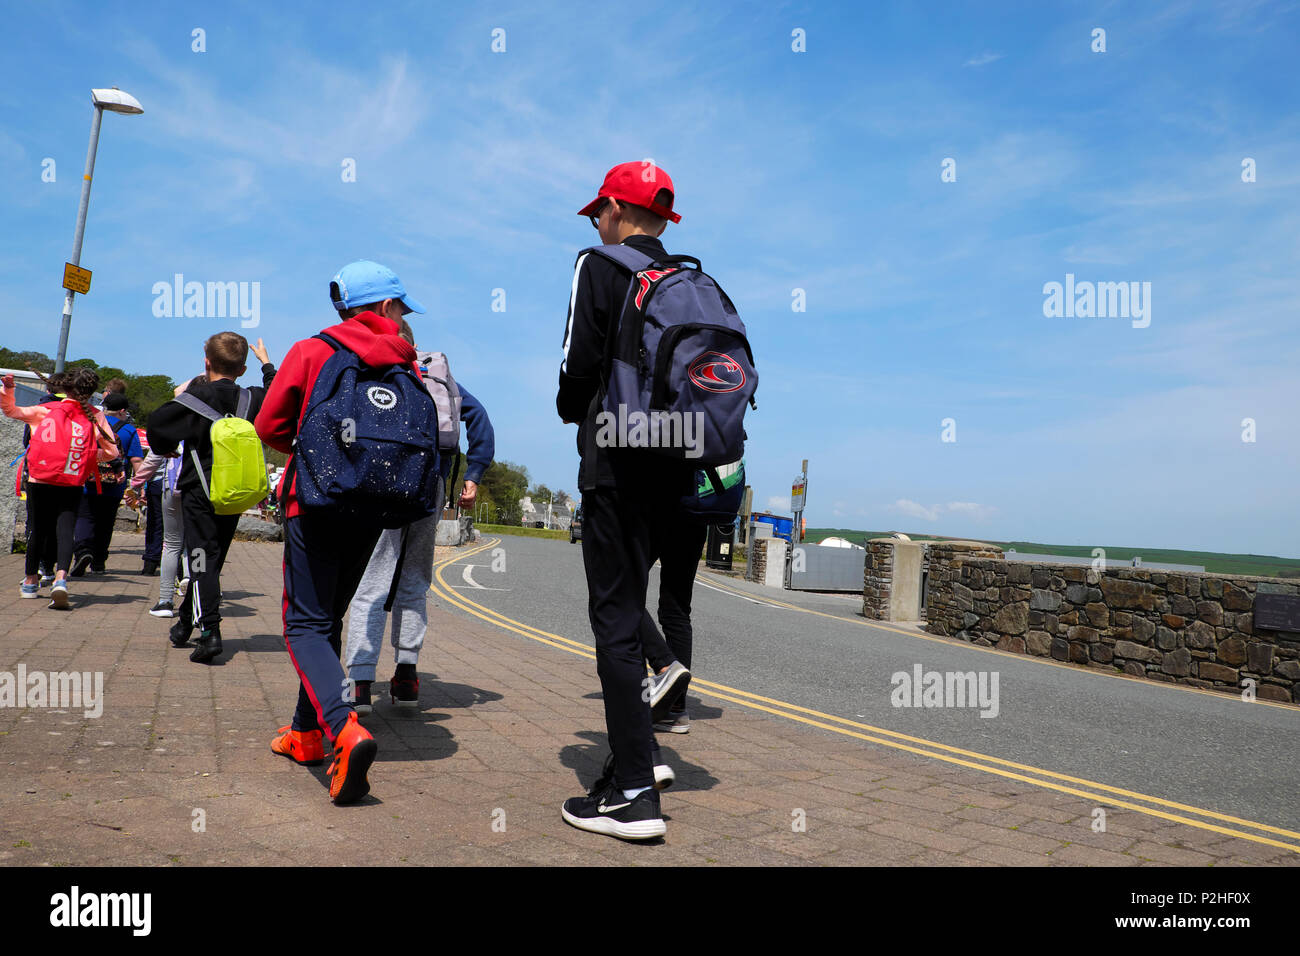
(620, 806)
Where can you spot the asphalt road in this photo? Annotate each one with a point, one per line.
(1206, 750)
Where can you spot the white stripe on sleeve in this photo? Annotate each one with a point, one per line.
(573, 296)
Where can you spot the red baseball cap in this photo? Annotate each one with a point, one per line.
(641, 184)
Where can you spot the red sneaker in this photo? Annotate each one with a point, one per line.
(302, 746)
(354, 752)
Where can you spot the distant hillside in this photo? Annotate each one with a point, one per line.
(1257, 564)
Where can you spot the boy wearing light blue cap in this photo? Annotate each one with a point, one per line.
(326, 554)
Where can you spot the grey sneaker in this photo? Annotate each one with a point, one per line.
(678, 723)
(666, 688)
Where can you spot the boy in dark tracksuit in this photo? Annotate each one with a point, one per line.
(207, 534)
(97, 515)
(630, 502)
(326, 555)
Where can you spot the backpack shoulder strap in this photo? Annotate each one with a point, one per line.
(625, 256)
(198, 406)
(245, 400)
(329, 340)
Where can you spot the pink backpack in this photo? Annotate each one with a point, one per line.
(63, 448)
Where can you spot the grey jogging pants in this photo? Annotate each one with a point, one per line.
(366, 615)
(173, 554)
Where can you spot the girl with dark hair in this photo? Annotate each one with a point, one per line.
(69, 438)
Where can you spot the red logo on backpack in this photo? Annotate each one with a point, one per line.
(648, 278)
(63, 447)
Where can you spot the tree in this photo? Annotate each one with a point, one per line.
(20, 360)
(502, 486)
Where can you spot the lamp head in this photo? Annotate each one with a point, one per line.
(115, 101)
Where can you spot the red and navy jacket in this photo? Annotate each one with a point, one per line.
(372, 337)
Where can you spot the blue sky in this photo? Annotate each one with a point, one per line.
(816, 170)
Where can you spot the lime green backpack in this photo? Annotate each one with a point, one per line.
(238, 466)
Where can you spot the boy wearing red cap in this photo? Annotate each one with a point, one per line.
(630, 500)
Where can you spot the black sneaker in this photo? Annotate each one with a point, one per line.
(362, 704)
(667, 688)
(163, 609)
(180, 633)
(79, 565)
(149, 569)
(607, 811)
(208, 647)
(404, 688)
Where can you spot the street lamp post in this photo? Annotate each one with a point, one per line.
(115, 101)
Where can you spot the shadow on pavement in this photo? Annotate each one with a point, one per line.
(587, 760)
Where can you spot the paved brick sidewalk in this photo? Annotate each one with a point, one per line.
(507, 729)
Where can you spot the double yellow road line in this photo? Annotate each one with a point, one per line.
(1098, 793)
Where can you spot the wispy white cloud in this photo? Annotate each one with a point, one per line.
(966, 509)
(983, 59)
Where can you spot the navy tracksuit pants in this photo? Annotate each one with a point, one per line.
(95, 521)
(324, 559)
(153, 522)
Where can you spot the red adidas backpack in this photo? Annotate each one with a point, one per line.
(63, 449)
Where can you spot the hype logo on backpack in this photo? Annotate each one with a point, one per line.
(367, 446)
(63, 446)
(679, 372)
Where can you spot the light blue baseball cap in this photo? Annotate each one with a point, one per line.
(364, 282)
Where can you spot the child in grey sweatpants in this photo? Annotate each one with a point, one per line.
(174, 560)
(366, 614)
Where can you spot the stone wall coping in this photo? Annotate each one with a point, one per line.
(1287, 583)
(963, 546)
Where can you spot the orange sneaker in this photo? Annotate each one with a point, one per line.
(302, 746)
(354, 752)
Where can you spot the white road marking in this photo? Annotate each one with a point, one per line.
(470, 583)
(743, 597)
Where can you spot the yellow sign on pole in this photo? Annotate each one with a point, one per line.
(75, 278)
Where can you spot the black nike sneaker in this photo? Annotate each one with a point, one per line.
(605, 810)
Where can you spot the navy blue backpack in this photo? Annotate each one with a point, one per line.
(367, 447)
(679, 349)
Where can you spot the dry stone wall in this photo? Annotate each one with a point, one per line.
(1180, 627)
(877, 580)
(756, 568)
